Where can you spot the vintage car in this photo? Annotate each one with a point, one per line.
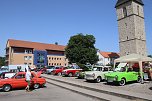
(18, 81)
(71, 72)
(86, 68)
(97, 74)
(50, 69)
(123, 75)
(81, 74)
(58, 71)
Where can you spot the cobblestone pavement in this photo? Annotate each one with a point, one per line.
(145, 88)
(49, 93)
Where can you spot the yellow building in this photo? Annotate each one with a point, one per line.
(34, 53)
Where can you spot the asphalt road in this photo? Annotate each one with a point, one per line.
(49, 93)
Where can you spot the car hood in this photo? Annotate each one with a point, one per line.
(39, 73)
(49, 69)
(71, 69)
(91, 72)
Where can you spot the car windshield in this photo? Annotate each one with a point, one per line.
(122, 69)
(96, 69)
(50, 67)
(2, 69)
(14, 75)
(57, 68)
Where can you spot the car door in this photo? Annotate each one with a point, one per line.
(131, 75)
(19, 81)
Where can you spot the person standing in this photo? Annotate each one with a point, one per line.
(28, 79)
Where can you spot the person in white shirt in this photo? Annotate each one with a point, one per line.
(28, 79)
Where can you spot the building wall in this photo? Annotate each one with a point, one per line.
(103, 60)
(18, 58)
(57, 60)
(131, 29)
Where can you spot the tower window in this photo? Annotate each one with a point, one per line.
(138, 9)
(124, 11)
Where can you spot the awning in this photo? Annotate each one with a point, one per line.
(134, 58)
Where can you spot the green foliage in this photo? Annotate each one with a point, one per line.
(84, 67)
(2, 61)
(80, 49)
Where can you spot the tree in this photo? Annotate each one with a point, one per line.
(2, 61)
(56, 43)
(80, 49)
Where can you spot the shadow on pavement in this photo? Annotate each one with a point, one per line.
(150, 88)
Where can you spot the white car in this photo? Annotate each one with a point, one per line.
(97, 74)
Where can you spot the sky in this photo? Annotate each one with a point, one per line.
(50, 21)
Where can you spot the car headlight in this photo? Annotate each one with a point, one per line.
(105, 77)
(115, 78)
(93, 74)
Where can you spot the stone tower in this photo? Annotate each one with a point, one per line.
(132, 38)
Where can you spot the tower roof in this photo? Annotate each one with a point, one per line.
(120, 2)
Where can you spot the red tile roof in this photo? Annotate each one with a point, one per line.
(35, 45)
(109, 54)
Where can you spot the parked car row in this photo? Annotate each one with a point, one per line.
(120, 75)
(63, 71)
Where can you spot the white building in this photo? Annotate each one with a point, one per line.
(107, 58)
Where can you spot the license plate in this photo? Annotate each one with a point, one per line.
(110, 80)
(145, 76)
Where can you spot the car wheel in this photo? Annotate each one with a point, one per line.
(70, 75)
(77, 74)
(36, 86)
(6, 88)
(59, 74)
(43, 85)
(139, 79)
(98, 79)
(122, 82)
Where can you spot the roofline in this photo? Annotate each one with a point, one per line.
(34, 42)
(126, 2)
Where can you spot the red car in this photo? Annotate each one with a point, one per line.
(18, 81)
(58, 71)
(71, 72)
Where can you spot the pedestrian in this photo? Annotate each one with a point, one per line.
(28, 79)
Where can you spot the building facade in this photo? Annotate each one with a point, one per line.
(132, 38)
(107, 58)
(35, 54)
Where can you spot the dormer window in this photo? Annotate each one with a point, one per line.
(124, 11)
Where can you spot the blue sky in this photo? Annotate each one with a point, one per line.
(50, 21)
